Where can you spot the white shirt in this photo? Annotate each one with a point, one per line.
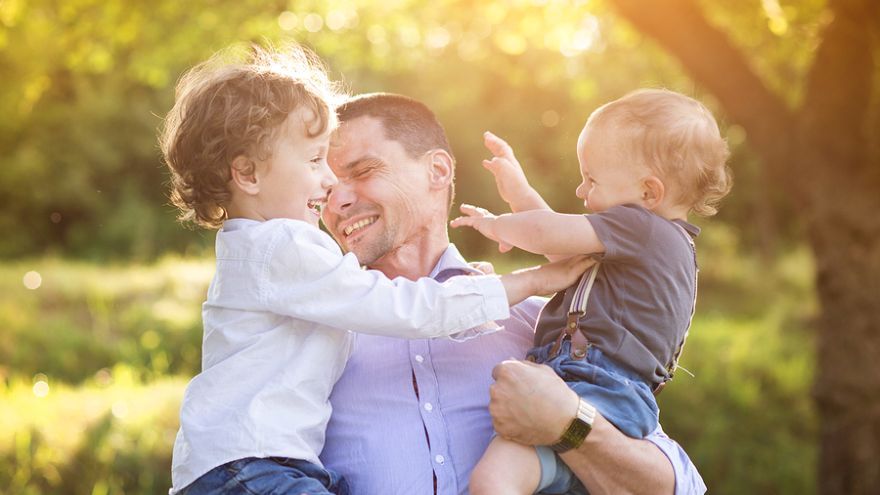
(276, 339)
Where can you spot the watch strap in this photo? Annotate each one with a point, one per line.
(577, 430)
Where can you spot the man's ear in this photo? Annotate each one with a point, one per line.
(244, 175)
(653, 192)
(441, 169)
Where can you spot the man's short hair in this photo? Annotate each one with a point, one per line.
(405, 120)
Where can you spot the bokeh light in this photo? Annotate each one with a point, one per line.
(288, 21)
(41, 385)
(32, 280)
(313, 23)
(119, 409)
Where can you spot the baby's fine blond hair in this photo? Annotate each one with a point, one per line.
(677, 138)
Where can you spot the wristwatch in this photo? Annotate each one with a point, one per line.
(577, 430)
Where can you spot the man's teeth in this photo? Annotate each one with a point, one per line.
(316, 204)
(359, 225)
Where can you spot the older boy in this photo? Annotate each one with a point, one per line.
(246, 143)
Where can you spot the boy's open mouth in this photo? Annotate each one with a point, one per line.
(317, 204)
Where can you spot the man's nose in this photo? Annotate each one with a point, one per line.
(341, 198)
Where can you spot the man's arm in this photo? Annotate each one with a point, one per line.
(530, 404)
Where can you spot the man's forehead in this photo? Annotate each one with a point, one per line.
(362, 138)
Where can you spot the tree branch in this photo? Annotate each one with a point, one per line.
(710, 58)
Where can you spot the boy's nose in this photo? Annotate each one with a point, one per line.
(330, 179)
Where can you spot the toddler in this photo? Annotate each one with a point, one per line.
(647, 161)
(246, 143)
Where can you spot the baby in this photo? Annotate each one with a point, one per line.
(647, 160)
(246, 143)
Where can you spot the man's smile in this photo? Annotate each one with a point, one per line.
(358, 225)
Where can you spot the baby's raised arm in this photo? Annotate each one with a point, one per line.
(536, 231)
(511, 181)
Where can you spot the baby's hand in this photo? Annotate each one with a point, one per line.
(483, 221)
(511, 181)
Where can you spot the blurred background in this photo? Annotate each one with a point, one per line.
(100, 288)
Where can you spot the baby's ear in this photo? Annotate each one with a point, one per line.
(244, 175)
(653, 192)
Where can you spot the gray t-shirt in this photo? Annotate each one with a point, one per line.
(643, 297)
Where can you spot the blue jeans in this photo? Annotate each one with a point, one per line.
(268, 476)
(621, 396)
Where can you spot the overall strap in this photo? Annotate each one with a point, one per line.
(576, 310)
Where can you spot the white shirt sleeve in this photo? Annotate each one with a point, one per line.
(308, 278)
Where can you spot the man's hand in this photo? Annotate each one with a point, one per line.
(529, 403)
(483, 221)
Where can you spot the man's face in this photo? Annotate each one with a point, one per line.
(380, 201)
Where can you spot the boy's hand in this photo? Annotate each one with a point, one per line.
(483, 221)
(558, 275)
(511, 181)
(485, 267)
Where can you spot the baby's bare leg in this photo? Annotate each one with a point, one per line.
(507, 468)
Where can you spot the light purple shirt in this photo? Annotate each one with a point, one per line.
(384, 439)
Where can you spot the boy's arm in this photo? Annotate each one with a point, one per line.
(536, 231)
(308, 278)
(511, 181)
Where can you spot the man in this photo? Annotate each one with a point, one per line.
(411, 417)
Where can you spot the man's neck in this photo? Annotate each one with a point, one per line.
(416, 257)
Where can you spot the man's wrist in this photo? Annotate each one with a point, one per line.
(577, 429)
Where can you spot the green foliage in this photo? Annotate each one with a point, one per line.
(87, 82)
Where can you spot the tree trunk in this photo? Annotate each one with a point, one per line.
(845, 237)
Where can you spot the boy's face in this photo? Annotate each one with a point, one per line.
(608, 177)
(295, 180)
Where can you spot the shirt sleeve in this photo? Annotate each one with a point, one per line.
(687, 480)
(624, 230)
(307, 277)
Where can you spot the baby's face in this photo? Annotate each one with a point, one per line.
(295, 181)
(608, 177)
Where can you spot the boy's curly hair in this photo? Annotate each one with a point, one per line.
(231, 105)
(677, 137)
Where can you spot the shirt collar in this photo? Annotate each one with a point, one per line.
(233, 224)
(451, 263)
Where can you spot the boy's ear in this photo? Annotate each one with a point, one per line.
(244, 175)
(653, 192)
(441, 169)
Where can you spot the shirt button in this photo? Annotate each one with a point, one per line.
(419, 358)
(440, 459)
(429, 407)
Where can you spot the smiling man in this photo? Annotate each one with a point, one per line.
(411, 417)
